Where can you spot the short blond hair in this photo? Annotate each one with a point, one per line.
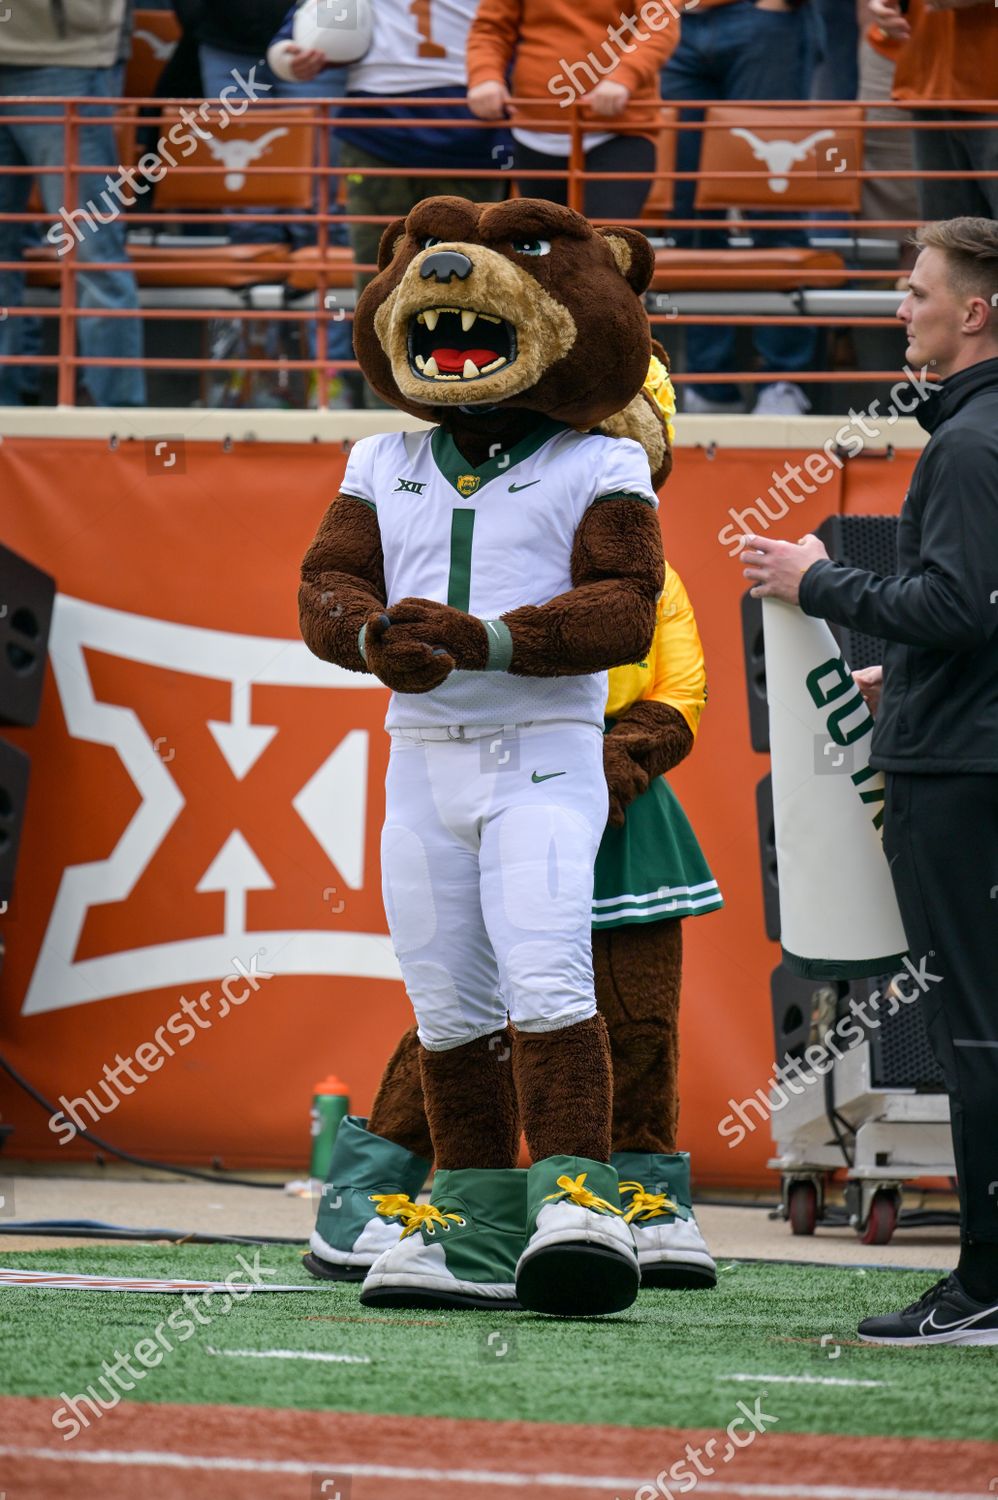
(971, 250)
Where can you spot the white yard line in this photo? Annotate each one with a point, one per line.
(804, 1379)
(499, 1478)
(342, 1359)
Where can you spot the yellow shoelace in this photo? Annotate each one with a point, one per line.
(393, 1205)
(647, 1205)
(425, 1216)
(572, 1189)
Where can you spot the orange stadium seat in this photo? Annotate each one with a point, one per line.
(808, 156)
(154, 39)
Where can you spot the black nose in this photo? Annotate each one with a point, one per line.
(445, 264)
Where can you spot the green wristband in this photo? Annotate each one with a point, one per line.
(360, 644)
(500, 646)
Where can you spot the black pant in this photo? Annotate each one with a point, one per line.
(941, 838)
(602, 200)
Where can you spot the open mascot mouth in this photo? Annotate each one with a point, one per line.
(458, 343)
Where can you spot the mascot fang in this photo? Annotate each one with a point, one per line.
(489, 571)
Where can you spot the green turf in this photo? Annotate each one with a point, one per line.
(663, 1362)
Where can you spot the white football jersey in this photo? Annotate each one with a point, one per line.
(487, 541)
(417, 44)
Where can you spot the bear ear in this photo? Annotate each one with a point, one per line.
(633, 254)
(389, 243)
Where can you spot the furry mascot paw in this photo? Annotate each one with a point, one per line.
(415, 645)
(625, 779)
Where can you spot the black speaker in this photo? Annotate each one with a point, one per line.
(767, 857)
(868, 542)
(901, 1056)
(26, 598)
(755, 671)
(14, 770)
(803, 1010)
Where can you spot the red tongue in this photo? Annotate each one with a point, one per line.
(451, 361)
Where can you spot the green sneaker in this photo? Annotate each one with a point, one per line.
(580, 1259)
(657, 1203)
(460, 1249)
(371, 1185)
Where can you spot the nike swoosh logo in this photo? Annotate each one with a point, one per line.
(548, 775)
(929, 1324)
(514, 487)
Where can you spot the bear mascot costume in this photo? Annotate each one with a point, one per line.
(650, 875)
(489, 571)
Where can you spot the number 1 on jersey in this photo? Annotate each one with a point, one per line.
(427, 46)
(462, 528)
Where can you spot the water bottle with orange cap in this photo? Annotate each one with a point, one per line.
(330, 1103)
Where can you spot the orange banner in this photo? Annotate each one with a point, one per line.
(206, 800)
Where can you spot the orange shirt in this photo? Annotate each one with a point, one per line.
(951, 54)
(550, 41)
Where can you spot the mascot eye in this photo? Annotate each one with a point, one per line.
(428, 241)
(532, 247)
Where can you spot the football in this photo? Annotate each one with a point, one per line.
(339, 29)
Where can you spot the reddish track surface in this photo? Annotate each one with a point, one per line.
(242, 1453)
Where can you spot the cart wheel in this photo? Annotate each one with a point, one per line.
(883, 1220)
(802, 1207)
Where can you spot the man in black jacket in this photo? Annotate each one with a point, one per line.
(936, 736)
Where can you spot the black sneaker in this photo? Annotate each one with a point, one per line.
(944, 1315)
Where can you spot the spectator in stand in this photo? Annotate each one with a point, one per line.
(551, 45)
(734, 49)
(835, 26)
(951, 53)
(886, 151)
(417, 52)
(67, 50)
(234, 36)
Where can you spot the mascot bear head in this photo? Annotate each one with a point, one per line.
(483, 310)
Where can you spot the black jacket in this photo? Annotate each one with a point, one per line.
(246, 26)
(939, 613)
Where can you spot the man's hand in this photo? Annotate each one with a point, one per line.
(306, 63)
(870, 681)
(777, 567)
(887, 15)
(607, 99)
(489, 101)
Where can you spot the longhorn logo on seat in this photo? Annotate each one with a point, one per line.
(237, 155)
(781, 156)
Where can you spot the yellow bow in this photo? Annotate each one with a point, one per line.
(572, 1189)
(424, 1216)
(647, 1205)
(393, 1205)
(660, 388)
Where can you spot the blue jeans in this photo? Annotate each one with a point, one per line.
(736, 51)
(41, 145)
(217, 66)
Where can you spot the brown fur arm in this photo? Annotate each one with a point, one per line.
(342, 582)
(608, 618)
(646, 741)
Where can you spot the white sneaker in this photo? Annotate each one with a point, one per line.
(782, 399)
(697, 405)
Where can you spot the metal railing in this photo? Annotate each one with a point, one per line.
(328, 270)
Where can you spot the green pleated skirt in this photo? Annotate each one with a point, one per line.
(653, 867)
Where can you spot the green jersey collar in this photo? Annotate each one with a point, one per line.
(465, 478)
